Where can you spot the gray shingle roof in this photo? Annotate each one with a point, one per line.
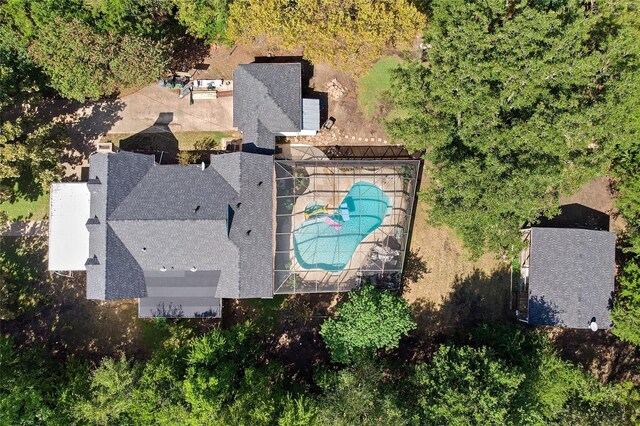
(252, 227)
(173, 192)
(150, 217)
(167, 299)
(267, 98)
(571, 277)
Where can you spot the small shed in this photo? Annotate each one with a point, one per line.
(566, 277)
(68, 233)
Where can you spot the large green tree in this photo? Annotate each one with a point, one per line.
(366, 393)
(110, 402)
(82, 63)
(29, 151)
(511, 102)
(463, 385)
(626, 311)
(349, 34)
(371, 319)
(35, 389)
(145, 18)
(19, 77)
(206, 19)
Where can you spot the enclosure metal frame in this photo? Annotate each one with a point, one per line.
(320, 179)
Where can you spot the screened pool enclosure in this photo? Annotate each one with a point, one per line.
(342, 221)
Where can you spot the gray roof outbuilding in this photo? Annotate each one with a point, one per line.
(571, 277)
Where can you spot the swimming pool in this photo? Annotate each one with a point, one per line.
(328, 241)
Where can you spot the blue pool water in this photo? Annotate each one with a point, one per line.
(318, 245)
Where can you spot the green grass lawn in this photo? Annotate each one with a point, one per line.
(372, 86)
(186, 140)
(23, 209)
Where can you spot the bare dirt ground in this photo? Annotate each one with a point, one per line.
(447, 289)
(602, 353)
(351, 127)
(597, 195)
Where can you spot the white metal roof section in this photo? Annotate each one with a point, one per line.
(68, 234)
(310, 114)
(310, 119)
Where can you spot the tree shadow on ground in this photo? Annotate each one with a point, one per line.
(187, 52)
(69, 324)
(606, 356)
(158, 140)
(475, 298)
(290, 326)
(22, 266)
(89, 124)
(415, 268)
(25, 187)
(85, 123)
(577, 216)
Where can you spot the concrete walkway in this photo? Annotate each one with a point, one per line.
(24, 229)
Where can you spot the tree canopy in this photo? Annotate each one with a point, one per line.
(84, 64)
(511, 103)
(626, 312)
(371, 319)
(350, 35)
(206, 19)
(503, 375)
(463, 384)
(29, 151)
(87, 50)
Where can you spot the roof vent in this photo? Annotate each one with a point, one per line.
(144, 249)
(193, 269)
(195, 210)
(163, 268)
(238, 205)
(249, 232)
(260, 183)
